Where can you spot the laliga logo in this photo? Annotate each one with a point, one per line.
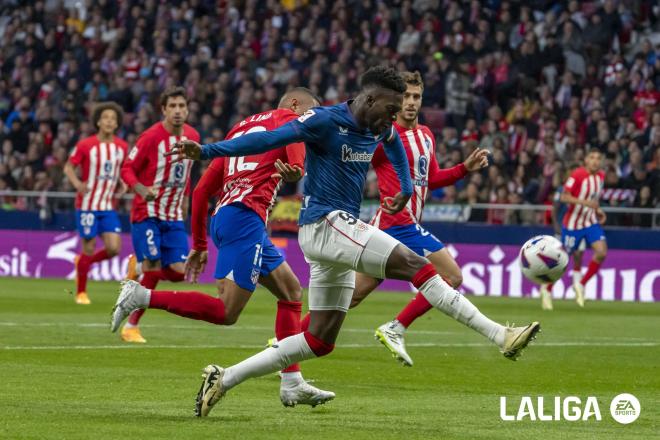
(625, 409)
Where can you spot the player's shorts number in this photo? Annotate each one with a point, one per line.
(349, 219)
(569, 242)
(238, 163)
(150, 237)
(87, 220)
(422, 231)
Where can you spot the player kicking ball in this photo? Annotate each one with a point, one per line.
(99, 158)
(162, 188)
(340, 142)
(583, 218)
(247, 189)
(404, 226)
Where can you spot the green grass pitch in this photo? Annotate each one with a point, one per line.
(63, 375)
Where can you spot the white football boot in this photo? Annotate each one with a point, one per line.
(546, 297)
(132, 296)
(303, 393)
(517, 338)
(211, 390)
(391, 336)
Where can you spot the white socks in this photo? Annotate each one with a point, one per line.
(444, 298)
(291, 380)
(286, 352)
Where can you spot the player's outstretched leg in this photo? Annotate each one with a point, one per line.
(284, 285)
(600, 252)
(405, 264)
(391, 334)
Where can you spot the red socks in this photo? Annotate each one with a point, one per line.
(423, 275)
(83, 265)
(415, 308)
(287, 323)
(304, 323)
(319, 347)
(82, 269)
(150, 281)
(591, 271)
(194, 305)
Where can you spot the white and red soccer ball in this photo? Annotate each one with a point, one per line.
(543, 260)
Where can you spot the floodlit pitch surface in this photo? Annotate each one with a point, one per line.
(63, 375)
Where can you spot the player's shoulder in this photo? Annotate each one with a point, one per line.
(120, 142)
(284, 115)
(426, 130)
(86, 143)
(190, 133)
(579, 173)
(156, 131)
(601, 174)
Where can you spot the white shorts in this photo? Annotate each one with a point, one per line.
(335, 247)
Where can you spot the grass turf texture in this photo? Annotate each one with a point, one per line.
(63, 375)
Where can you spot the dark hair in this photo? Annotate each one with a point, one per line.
(172, 92)
(413, 79)
(103, 106)
(594, 150)
(385, 77)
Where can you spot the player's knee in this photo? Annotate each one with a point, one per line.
(455, 279)
(599, 256)
(231, 317)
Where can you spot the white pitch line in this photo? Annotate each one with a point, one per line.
(256, 346)
(189, 327)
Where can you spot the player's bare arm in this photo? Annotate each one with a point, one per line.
(569, 198)
(392, 205)
(70, 173)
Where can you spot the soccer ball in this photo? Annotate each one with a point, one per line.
(543, 260)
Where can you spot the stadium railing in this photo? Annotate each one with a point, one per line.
(49, 204)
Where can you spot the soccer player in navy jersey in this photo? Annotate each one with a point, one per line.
(340, 141)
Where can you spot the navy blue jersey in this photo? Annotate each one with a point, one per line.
(338, 153)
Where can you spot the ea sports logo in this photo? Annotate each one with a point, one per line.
(625, 408)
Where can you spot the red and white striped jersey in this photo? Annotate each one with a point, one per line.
(424, 171)
(147, 164)
(584, 186)
(100, 164)
(247, 179)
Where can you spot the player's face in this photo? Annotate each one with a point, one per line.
(412, 102)
(176, 111)
(108, 122)
(383, 108)
(593, 162)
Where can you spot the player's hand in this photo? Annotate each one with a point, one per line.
(147, 193)
(287, 172)
(122, 189)
(477, 160)
(82, 188)
(593, 204)
(186, 149)
(392, 205)
(601, 216)
(195, 264)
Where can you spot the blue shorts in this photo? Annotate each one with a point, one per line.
(155, 239)
(571, 238)
(93, 223)
(418, 239)
(244, 250)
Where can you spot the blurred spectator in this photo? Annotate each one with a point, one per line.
(535, 83)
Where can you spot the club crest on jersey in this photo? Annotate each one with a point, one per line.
(347, 155)
(305, 116)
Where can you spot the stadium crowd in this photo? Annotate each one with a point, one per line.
(537, 83)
